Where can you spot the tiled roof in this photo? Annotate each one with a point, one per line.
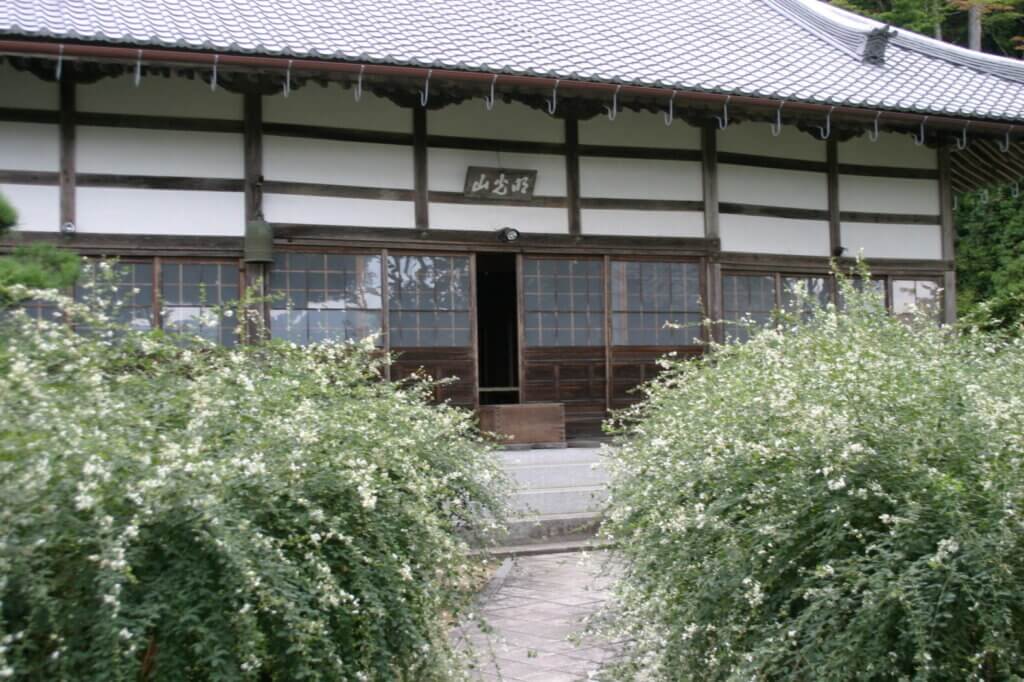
(787, 49)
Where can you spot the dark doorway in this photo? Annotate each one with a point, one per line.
(497, 328)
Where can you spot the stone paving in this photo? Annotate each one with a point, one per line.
(533, 611)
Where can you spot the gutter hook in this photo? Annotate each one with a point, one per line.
(961, 142)
(553, 102)
(777, 126)
(1004, 147)
(213, 77)
(873, 134)
(425, 92)
(613, 110)
(288, 80)
(826, 132)
(671, 110)
(489, 99)
(60, 61)
(723, 120)
(138, 69)
(920, 140)
(358, 92)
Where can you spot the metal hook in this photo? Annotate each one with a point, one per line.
(60, 62)
(671, 110)
(961, 142)
(358, 93)
(288, 79)
(956, 202)
(553, 102)
(1015, 190)
(613, 110)
(489, 100)
(920, 140)
(213, 78)
(826, 132)
(873, 134)
(1004, 147)
(425, 92)
(777, 126)
(138, 69)
(723, 120)
(984, 196)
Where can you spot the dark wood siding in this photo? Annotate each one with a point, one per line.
(573, 376)
(440, 363)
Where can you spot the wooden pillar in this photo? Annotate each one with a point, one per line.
(835, 239)
(67, 150)
(948, 235)
(420, 177)
(572, 174)
(256, 274)
(712, 229)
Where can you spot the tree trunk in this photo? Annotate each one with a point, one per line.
(974, 27)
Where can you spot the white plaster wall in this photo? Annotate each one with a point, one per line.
(446, 169)
(158, 96)
(772, 187)
(639, 129)
(334, 106)
(486, 217)
(756, 138)
(133, 151)
(287, 208)
(756, 234)
(640, 179)
(150, 211)
(888, 195)
(29, 146)
(892, 149)
(337, 163)
(22, 90)
(512, 121)
(38, 206)
(892, 241)
(642, 223)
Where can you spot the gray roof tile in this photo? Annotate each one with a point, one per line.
(800, 49)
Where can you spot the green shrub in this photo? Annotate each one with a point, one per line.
(837, 499)
(8, 216)
(171, 510)
(39, 266)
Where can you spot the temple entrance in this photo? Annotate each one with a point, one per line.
(497, 329)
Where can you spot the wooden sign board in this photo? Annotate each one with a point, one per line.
(500, 184)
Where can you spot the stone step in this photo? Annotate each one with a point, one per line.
(568, 500)
(557, 475)
(550, 528)
(543, 456)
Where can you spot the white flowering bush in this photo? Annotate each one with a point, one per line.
(171, 510)
(838, 499)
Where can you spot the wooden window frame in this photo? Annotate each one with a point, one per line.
(702, 286)
(160, 261)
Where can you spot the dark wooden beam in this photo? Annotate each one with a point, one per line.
(948, 234)
(252, 145)
(67, 151)
(128, 245)
(572, 173)
(835, 238)
(712, 229)
(421, 178)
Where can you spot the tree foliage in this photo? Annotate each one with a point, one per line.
(990, 255)
(173, 510)
(838, 499)
(8, 216)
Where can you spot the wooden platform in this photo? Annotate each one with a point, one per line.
(526, 423)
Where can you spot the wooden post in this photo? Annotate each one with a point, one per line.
(835, 239)
(420, 177)
(67, 150)
(608, 332)
(572, 174)
(252, 145)
(712, 228)
(948, 235)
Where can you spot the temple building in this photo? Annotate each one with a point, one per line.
(518, 194)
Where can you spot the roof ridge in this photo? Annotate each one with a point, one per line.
(849, 31)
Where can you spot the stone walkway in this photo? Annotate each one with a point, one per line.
(533, 611)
